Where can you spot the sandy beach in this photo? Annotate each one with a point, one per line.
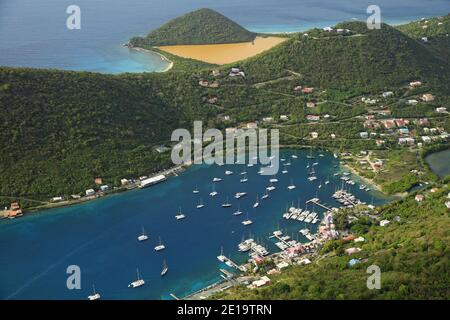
(224, 53)
(170, 66)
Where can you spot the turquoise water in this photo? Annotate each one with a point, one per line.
(100, 236)
(439, 162)
(34, 33)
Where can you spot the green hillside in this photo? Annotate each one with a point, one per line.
(435, 30)
(375, 59)
(61, 129)
(429, 27)
(203, 26)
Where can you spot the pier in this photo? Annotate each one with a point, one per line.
(316, 201)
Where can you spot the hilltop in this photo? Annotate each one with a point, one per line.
(357, 58)
(204, 26)
(434, 33)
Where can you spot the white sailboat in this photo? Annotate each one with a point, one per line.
(292, 185)
(214, 192)
(227, 204)
(179, 215)
(143, 236)
(240, 195)
(247, 222)
(195, 190)
(328, 180)
(200, 204)
(228, 173)
(271, 187)
(265, 196)
(217, 179)
(95, 295)
(244, 180)
(138, 282)
(221, 257)
(238, 212)
(164, 269)
(284, 170)
(273, 180)
(256, 204)
(161, 246)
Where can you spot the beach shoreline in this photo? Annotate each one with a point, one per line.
(163, 57)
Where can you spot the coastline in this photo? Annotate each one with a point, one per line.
(169, 172)
(163, 57)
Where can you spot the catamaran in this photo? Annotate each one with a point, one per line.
(180, 215)
(214, 192)
(161, 246)
(227, 204)
(217, 179)
(164, 269)
(271, 187)
(247, 222)
(139, 282)
(143, 236)
(292, 185)
(200, 204)
(221, 258)
(94, 295)
(245, 245)
(256, 204)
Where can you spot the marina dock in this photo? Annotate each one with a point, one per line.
(316, 201)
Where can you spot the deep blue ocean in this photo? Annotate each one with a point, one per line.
(101, 236)
(34, 34)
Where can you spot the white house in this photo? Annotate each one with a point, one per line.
(441, 110)
(384, 223)
(90, 192)
(314, 135)
(104, 188)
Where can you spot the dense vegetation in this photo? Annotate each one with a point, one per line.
(61, 129)
(413, 256)
(203, 26)
(375, 59)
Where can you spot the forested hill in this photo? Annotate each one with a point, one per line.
(434, 33)
(59, 129)
(376, 59)
(203, 26)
